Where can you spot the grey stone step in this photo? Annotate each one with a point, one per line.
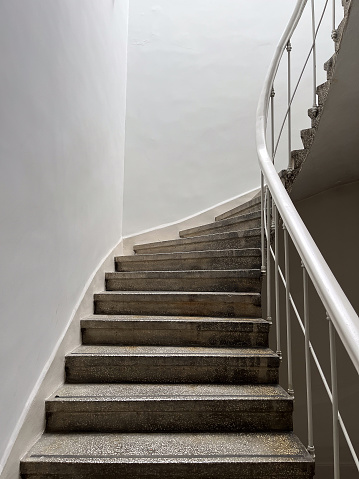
(153, 364)
(237, 223)
(220, 241)
(253, 205)
(197, 260)
(174, 331)
(174, 456)
(169, 408)
(179, 303)
(244, 280)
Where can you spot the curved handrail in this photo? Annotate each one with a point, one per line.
(338, 307)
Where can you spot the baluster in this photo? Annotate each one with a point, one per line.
(333, 373)
(290, 162)
(315, 106)
(276, 280)
(269, 224)
(272, 95)
(308, 373)
(287, 308)
(263, 268)
(334, 31)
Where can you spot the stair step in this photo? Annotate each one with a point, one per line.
(179, 303)
(198, 260)
(174, 331)
(174, 456)
(248, 207)
(245, 280)
(237, 223)
(220, 241)
(169, 408)
(153, 364)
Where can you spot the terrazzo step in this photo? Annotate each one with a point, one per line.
(153, 364)
(240, 280)
(174, 456)
(236, 223)
(253, 205)
(220, 241)
(179, 303)
(174, 331)
(169, 408)
(199, 260)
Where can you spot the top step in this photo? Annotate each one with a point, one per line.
(248, 207)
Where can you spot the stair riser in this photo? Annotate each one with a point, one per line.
(208, 244)
(169, 369)
(204, 263)
(185, 469)
(170, 416)
(186, 284)
(155, 337)
(239, 211)
(240, 226)
(246, 307)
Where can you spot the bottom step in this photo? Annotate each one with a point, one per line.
(205, 456)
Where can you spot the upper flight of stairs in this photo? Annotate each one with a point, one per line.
(175, 377)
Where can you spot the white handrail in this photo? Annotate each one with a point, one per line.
(341, 312)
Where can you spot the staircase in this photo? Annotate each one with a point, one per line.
(174, 377)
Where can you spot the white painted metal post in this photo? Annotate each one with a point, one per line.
(263, 268)
(269, 224)
(333, 373)
(276, 280)
(290, 162)
(287, 308)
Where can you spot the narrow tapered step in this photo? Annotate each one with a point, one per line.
(248, 207)
(244, 280)
(169, 408)
(220, 241)
(153, 364)
(237, 223)
(174, 331)
(174, 456)
(198, 260)
(179, 303)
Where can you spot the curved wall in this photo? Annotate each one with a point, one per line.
(62, 119)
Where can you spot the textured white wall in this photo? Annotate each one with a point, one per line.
(62, 118)
(195, 71)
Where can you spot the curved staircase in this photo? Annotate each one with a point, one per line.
(175, 377)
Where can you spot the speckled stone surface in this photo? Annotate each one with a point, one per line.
(171, 364)
(179, 303)
(238, 455)
(169, 407)
(241, 280)
(175, 331)
(219, 241)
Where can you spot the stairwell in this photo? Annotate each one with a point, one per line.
(174, 377)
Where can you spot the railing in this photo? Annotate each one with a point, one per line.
(277, 208)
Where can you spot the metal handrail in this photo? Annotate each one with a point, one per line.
(337, 305)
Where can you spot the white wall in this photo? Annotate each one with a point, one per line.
(195, 71)
(62, 120)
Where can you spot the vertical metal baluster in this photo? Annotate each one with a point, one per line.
(334, 31)
(308, 373)
(290, 162)
(263, 268)
(287, 308)
(276, 280)
(269, 224)
(315, 106)
(272, 95)
(333, 372)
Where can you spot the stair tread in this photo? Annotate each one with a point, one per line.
(255, 215)
(201, 238)
(170, 351)
(204, 273)
(146, 295)
(237, 210)
(189, 254)
(115, 448)
(101, 319)
(173, 392)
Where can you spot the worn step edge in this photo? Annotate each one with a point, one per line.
(217, 225)
(239, 209)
